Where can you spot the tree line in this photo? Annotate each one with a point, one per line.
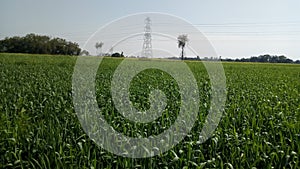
(264, 58)
(39, 44)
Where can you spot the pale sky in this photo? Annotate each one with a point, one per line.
(235, 28)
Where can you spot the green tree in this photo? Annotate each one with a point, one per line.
(117, 54)
(38, 44)
(84, 53)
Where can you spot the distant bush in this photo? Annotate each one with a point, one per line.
(37, 44)
(117, 55)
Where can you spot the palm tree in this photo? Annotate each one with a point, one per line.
(182, 40)
(98, 46)
(111, 50)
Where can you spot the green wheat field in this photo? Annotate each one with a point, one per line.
(260, 126)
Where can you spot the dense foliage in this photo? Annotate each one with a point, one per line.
(39, 128)
(37, 44)
(117, 54)
(265, 58)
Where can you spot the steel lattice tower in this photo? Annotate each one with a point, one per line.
(147, 45)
